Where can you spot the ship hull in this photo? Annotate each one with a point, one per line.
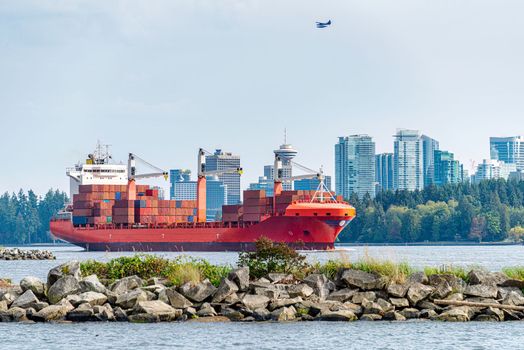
(318, 233)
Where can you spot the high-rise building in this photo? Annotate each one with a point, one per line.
(408, 173)
(355, 166)
(263, 184)
(311, 184)
(447, 170)
(182, 188)
(216, 197)
(225, 160)
(493, 169)
(429, 146)
(510, 150)
(384, 171)
(286, 172)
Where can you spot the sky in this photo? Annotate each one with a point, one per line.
(161, 78)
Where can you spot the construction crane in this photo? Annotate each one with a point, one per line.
(132, 175)
(312, 174)
(201, 182)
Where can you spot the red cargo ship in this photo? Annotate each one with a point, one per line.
(132, 218)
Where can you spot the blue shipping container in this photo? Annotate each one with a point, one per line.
(79, 220)
(118, 196)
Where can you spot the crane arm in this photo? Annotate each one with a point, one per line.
(131, 165)
(223, 171)
(318, 176)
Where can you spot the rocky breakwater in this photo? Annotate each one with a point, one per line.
(19, 254)
(351, 295)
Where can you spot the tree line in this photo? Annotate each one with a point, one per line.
(24, 217)
(492, 210)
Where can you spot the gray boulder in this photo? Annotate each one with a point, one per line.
(417, 277)
(442, 290)
(279, 303)
(359, 297)
(158, 308)
(70, 268)
(477, 276)
(172, 297)
(253, 302)
(300, 290)
(393, 316)
(418, 292)
(130, 299)
(385, 305)
(481, 290)
(83, 313)
(457, 284)
(26, 300)
(120, 315)
(371, 307)
(92, 298)
(342, 295)
(410, 313)
(92, 284)
(199, 292)
(320, 284)
(206, 310)
(512, 283)
(126, 284)
(104, 312)
(63, 287)
(456, 314)
(3, 306)
(241, 277)
(340, 315)
(370, 317)
(399, 302)
(262, 314)
(284, 314)
(398, 290)
(280, 277)
(513, 298)
(225, 289)
(53, 312)
(363, 280)
(34, 284)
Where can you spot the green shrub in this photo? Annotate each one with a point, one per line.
(457, 271)
(273, 257)
(514, 272)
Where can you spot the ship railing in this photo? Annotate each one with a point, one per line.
(165, 226)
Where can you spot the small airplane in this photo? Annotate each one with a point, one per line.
(323, 24)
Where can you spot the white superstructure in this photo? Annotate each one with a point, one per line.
(97, 170)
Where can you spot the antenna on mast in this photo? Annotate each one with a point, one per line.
(285, 136)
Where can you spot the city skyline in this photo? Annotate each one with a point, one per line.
(163, 79)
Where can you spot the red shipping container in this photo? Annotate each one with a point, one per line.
(123, 211)
(82, 212)
(83, 204)
(254, 201)
(254, 194)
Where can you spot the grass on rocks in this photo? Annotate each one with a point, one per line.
(178, 271)
(456, 271)
(514, 272)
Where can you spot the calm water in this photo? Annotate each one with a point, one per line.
(311, 335)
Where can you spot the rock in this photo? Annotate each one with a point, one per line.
(513, 298)
(3, 306)
(40, 305)
(482, 290)
(284, 314)
(34, 284)
(456, 314)
(172, 297)
(417, 277)
(241, 277)
(231, 299)
(399, 302)
(455, 296)
(478, 276)
(83, 313)
(233, 315)
(424, 304)
(16, 314)
(359, 297)
(398, 290)
(428, 313)
(320, 284)
(498, 314)
(504, 291)
(211, 319)
(199, 292)
(92, 284)
(417, 292)
(253, 302)
(370, 317)
(512, 283)
(157, 308)
(410, 313)
(63, 287)
(52, 313)
(457, 284)
(300, 290)
(280, 277)
(385, 305)
(262, 314)
(442, 290)
(275, 304)
(70, 268)
(104, 312)
(363, 280)
(225, 289)
(130, 299)
(340, 315)
(143, 318)
(271, 293)
(9, 297)
(511, 315)
(370, 307)
(342, 295)
(393, 316)
(92, 298)
(26, 300)
(126, 284)
(120, 315)
(206, 310)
